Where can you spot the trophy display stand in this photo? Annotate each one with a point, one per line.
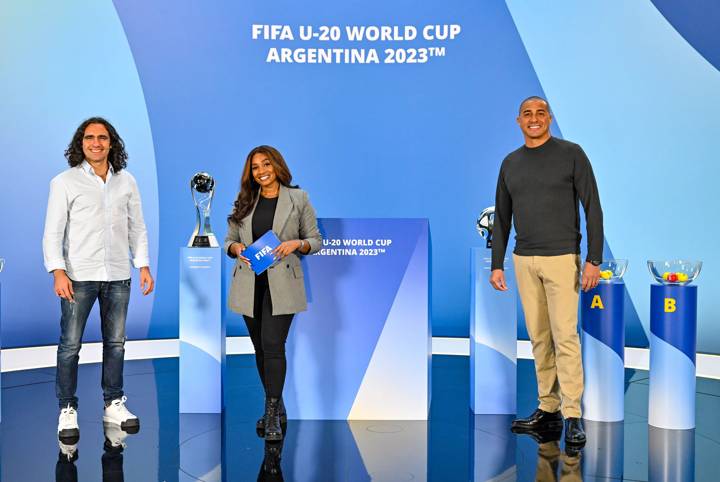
(603, 352)
(202, 332)
(493, 332)
(673, 339)
(202, 328)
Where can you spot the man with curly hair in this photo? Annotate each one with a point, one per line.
(94, 227)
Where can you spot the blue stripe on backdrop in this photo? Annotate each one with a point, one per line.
(54, 77)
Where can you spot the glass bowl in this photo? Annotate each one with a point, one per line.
(612, 270)
(675, 271)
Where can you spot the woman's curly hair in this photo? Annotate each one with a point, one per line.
(250, 189)
(117, 157)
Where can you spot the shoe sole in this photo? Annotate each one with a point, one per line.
(260, 424)
(545, 427)
(131, 426)
(69, 436)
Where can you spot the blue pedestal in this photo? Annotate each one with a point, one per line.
(673, 341)
(493, 339)
(202, 332)
(603, 352)
(604, 451)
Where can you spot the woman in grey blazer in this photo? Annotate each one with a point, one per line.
(268, 301)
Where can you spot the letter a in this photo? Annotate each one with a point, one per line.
(670, 305)
(597, 303)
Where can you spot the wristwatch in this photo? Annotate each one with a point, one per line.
(594, 262)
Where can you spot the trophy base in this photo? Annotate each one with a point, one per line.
(207, 241)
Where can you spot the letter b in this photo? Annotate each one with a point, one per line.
(670, 305)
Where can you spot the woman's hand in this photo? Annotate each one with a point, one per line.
(287, 247)
(237, 249)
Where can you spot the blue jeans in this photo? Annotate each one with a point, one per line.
(114, 297)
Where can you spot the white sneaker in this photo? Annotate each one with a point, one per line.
(114, 435)
(68, 451)
(68, 430)
(118, 414)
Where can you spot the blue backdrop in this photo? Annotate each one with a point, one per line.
(189, 89)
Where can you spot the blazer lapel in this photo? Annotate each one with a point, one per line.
(282, 211)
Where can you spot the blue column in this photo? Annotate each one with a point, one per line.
(603, 352)
(493, 339)
(673, 341)
(202, 331)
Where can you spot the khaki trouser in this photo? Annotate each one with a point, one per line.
(549, 288)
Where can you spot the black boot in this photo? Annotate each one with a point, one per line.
(260, 424)
(574, 433)
(540, 420)
(273, 431)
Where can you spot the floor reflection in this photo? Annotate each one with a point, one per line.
(453, 446)
(555, 464)
(554, 461)
(271, 468)
(493, 448)
(672, 455)
(604, 450)
(353, 451)
(200, 447)
(111, 460)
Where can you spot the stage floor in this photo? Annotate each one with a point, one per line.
(452, 446)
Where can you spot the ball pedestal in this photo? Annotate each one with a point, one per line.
(673, 342)
(603, 352)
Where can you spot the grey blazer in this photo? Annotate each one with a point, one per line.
(294, 219)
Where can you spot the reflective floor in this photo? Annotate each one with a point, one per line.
(452, 446)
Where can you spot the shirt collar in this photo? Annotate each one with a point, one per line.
(88, 168)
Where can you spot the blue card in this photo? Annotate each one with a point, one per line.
(260, 252)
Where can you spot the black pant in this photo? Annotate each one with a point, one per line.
(268, 334)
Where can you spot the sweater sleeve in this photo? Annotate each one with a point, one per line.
(501, 226)
(587, 191)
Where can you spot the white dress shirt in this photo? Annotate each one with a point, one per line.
(93, 228)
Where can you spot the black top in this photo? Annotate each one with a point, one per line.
(539, 188)
(262, 220)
